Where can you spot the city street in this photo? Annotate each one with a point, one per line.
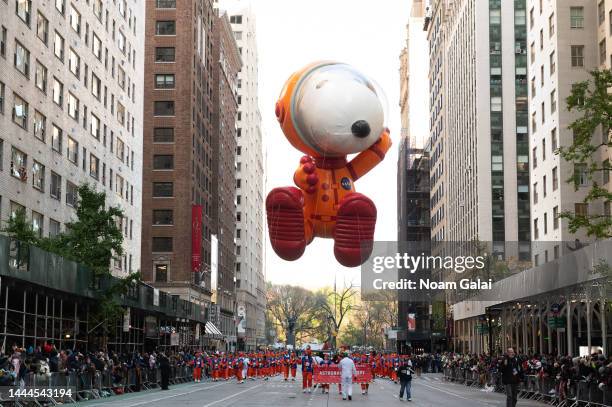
(428, 390)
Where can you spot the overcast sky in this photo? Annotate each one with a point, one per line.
(364, 33)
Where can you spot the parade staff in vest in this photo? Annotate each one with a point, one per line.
(347, 371)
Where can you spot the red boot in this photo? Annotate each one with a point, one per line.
(354, 231)
(284, 207)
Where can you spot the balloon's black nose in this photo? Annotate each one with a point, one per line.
(361, 129)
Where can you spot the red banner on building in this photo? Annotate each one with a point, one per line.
(196, 237)
(411, 323)
(331, 374)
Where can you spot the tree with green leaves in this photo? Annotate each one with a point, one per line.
(92, 239)
(592, 101)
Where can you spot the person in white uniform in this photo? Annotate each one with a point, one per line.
(348, 370)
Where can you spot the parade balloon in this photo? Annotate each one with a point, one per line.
(328, 110)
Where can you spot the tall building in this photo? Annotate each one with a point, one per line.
(71, 112)
(434, 25)
(250, 278)
(226, 65)
(413, 180)
(179, 172)
(486, 121)
(566, 41)
(479, 123)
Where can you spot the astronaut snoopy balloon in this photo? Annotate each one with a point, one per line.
(328, 110)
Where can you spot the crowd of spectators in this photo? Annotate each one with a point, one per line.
(46, 360)
(564, 372)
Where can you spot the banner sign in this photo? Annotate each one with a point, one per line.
(411, 323)
(151, 326)
(331, 374)
(196, 237)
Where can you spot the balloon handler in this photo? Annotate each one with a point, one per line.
(328, 110)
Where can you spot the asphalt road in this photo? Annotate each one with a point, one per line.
(428, 390)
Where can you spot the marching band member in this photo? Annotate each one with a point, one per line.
(198, 364)
(307, 368)
(293, 364)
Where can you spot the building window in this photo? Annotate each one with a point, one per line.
(496, 104)
(164, 81)
(581, 175)
(22, 59)
(58, 92)
(95, 126)
(601, 12)
(20, 111)
(72, 194)
(42, 28)
(544, 186)
(165, 28)
(162, 245)
(23, 10)
(54, 228)
(163, 162)
(56, 139)
(556, 218)
(37, 223)
(121, 78)
(40, 125)
(551, 25)
(19, 164)
(236, 19)
(96, 86)
(553, 140)
(163, 135)
(121, 42)
(555, 179)
(74, 62)
(165, 3)
(94, 166)
(58, 46)
(40, 77)
(73, 106)
(553, 63)
(55, 186)
(161, 271)
(97, 47)
(120, 150)
(164, 54)
(581, 209)
(97, 9)
(536, 231)
(60, 6)
(577, 56)
(163, 189)
(3, 38)
(121, 113)
(577, 17)
(163, 217)
(38, 176)
(534, 157)
(75, 20)
(606, 171)
(163, 108)
(72, 151)
(535, 192)
(602, 52)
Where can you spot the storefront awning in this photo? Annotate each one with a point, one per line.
(212, 331)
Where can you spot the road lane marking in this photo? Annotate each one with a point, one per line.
(167, 397)
(232, 396)
(456, 395)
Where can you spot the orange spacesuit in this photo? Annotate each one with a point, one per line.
(328, 110)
